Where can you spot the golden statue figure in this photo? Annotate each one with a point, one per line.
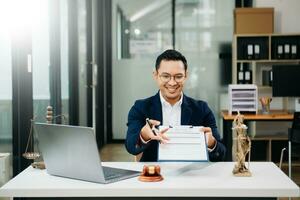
(241, 147)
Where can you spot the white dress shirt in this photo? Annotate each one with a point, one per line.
(171, 114)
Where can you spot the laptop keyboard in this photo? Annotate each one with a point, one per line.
(115, 173)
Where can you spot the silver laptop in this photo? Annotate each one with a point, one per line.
(71, 151)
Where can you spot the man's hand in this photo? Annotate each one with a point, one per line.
(147, 132)
(210, 139)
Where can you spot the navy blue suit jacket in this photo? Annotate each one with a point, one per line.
(193, 112)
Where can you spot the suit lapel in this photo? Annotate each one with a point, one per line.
(186, 112)
(156, 110)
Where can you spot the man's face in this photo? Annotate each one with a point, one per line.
(170, 78)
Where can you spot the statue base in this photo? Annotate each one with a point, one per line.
(243, 174)
(38, 165)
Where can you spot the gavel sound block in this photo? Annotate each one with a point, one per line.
(151, 173)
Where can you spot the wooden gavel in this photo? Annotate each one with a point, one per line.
(151, 170)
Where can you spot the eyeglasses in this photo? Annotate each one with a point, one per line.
(167, 77)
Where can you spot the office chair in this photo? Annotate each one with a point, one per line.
(294, 139)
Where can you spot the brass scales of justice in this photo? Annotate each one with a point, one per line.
(30, 154)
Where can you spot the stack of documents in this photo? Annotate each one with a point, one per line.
(187, 143)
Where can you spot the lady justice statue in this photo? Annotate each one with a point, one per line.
(241, 146)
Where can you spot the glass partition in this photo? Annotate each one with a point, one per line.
(64, 62)
(40, 61)
(141, 30)
(5, 97)
(203, 27)
(82, 62)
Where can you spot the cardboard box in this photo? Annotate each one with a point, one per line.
(253, 20)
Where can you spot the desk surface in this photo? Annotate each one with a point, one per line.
(274, 115)
(180, 179)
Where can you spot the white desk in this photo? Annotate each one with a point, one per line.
(180, 180)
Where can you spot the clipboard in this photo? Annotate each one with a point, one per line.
(186, 144)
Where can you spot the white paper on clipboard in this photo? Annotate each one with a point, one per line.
(187, 143)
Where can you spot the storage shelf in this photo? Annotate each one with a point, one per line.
(259, 69)
(262, 87)
(270, 61)
(268, 44)
(270, 137)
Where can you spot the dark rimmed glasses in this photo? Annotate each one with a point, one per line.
(165, 77)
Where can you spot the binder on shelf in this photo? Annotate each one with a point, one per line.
(248, 75)
(294, 51)
(279, 51)
(250, 51)
(271, 77)
(286, 51)
(256, 51)
(240, 78)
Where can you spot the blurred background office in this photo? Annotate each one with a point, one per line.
(91, 59)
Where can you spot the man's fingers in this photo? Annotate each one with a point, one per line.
(208, 133)
(207, 137)
(164, 137)
(206, 129)
(160, 138)
(159, 135)
(156, 138)
(162, 134)
(154, 122)
(163, 142)
(164, 130)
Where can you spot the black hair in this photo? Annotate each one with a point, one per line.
(170, 54)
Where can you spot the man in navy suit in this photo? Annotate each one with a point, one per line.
(172, 108)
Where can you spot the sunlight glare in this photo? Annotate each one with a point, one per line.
(18, 15)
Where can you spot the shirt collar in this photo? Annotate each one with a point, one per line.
(165, 103)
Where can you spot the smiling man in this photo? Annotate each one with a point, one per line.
(169, 107)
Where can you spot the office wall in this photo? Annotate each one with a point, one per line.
(286, 14)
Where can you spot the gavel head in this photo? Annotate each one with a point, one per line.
(151, 170)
